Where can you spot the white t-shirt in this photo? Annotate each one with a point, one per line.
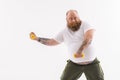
(74, 40)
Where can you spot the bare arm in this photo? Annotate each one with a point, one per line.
(47, 41)
(87, 40)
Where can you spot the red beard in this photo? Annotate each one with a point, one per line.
(74, 26)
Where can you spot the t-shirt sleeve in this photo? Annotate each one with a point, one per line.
(59, 37)
(87, 27)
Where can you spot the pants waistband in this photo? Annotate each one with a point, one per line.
(95, 61)
(84, 63)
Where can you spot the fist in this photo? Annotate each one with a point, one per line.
(33, 36)
(82, 55)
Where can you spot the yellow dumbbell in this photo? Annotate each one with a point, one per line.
(82, 56)
(32, 36)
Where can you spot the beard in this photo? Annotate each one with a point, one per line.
(74, 26)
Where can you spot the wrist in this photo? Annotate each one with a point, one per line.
(38, 39)
(79, 52)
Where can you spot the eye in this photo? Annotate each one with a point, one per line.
(75, 18)
(71, 18)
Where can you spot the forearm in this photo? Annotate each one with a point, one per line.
(46, 41)
(87, 40)
(85, 44)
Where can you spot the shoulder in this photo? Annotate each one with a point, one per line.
(87, 26)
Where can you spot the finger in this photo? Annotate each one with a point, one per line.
(32, 33)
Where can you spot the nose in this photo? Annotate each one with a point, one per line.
(73, 20)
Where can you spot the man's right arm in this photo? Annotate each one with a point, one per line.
(45, 41)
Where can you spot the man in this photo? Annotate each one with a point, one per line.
(78, 36)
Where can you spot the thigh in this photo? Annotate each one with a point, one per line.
(71, 72)
(94, 72)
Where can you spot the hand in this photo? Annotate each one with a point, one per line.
(81, 55)
(33, 36)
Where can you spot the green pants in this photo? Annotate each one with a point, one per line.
(92, 71)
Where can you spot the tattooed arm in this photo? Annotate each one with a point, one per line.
(47, 41)
(87, 40)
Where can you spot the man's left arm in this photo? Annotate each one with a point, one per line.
(88, 36)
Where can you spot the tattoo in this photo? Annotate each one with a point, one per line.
(84, 44)
(44, 41)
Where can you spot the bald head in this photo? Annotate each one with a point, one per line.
(71, 12)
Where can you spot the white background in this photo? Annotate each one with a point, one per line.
(24, 59)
